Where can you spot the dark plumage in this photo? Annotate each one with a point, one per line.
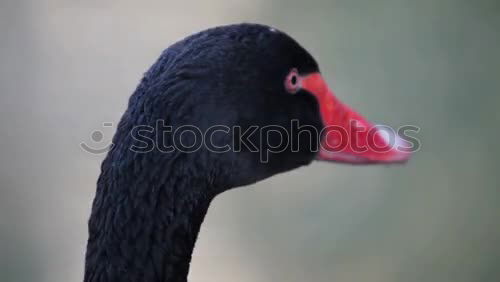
(149, 204)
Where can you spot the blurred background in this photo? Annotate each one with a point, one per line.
(68, 66)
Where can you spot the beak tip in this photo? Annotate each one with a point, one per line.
(400, 149)
(389, 148)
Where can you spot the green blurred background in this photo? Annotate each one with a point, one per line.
(68, 66)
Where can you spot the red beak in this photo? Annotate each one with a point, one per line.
(349, 137)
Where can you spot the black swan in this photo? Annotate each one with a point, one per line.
(246, 85)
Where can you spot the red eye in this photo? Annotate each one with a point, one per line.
(292, 81)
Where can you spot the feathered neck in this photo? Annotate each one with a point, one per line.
(145, 217)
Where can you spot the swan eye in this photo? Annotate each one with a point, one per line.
(292, 81)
